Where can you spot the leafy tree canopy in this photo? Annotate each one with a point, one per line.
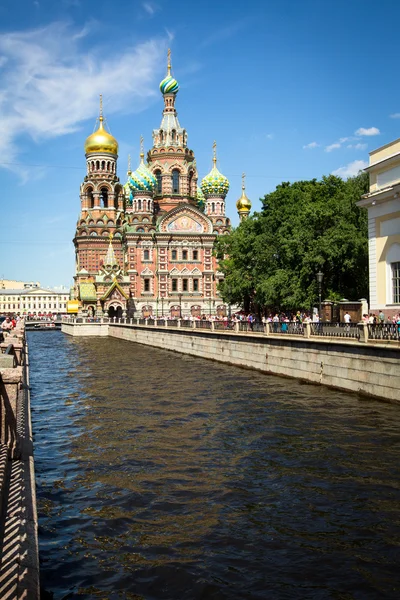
(272, 258)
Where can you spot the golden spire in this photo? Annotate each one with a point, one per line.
(214, 153)
(129, 164)
(243, 205)
(169, 62)
(141, 148)
(101, 140)
(110, 237)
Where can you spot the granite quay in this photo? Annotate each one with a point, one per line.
(19, 573)
(360, 358)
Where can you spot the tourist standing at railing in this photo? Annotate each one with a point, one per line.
(7, 325)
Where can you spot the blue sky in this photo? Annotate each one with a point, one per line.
(289, 89)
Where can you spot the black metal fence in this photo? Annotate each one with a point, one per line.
(384, 331)
(342, 330)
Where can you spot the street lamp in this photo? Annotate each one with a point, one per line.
(229, 302)
(320, 277)
(180, 305)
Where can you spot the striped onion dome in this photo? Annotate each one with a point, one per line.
(169, 85)
(215, 184)
(142, 180)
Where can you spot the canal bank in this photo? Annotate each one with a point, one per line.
(162, 475)
(371, 369)
(19, 571)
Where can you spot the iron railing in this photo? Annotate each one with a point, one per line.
(343, 330)
(384, 331)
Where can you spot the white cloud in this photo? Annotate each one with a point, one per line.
(150, 8)
(395, 116)
(351, 169)
(358, 146)
(370, 131)
(49, 86)
(334, 146)
(270, 136)
(343, 140)
(311, 145)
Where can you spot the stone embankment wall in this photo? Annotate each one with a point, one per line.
(369, 369)
(372, 369)
(19, 571)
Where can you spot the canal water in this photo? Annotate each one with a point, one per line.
(163, 476)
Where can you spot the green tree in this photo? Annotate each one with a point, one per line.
(272, 258)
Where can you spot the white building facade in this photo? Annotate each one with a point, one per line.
(34, 301)
(383, 204)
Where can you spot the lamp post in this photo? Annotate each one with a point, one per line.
(320, 277)
(180, 305)
(229, 302)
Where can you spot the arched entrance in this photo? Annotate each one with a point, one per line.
(115, 310)
(195, 311)
(147, 311)
(175, 311)
(221, 310)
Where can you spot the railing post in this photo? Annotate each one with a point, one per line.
(194, 324)
(212, 326)
(308, 330)
(237, 327)
(366, 332)
(179, 322)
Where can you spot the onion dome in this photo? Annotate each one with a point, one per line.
(142, 180)
(169, 85)
(215, 184)
(101, 141)
(243, 205)
(201, 199)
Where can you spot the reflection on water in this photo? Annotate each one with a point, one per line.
(162, 476)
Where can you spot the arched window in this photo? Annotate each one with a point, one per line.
(161, 136)
(213, 207)
(89, 194)
(97, 165)
(108, 165)
(173, 135)
(190, 183)
(157, 175)
(103, 165)
(139, 204)
(104, 197)
(149, 205)
(175, 181)
(146, 254)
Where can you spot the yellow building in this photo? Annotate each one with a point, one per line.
(383, 204)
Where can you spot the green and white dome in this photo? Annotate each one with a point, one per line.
(215, 184)
(142, 180)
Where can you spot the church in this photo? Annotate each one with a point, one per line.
(145, 248)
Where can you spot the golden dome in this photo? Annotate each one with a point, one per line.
(101, 140)
(243, 204)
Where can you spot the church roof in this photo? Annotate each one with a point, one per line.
(87, 291)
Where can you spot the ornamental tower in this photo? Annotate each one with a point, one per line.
(243, 205)
(102, 204)
(215, 187)
(170, 160)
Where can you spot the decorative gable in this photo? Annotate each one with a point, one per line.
(185, 219)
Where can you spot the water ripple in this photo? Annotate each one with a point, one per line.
(162, 476)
